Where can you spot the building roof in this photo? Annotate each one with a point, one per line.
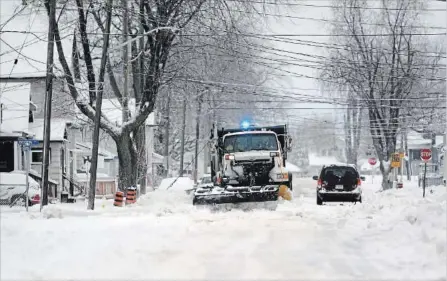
(316, 160)
(23, 48)
(113, 111)
(57, 133)
(85, 147)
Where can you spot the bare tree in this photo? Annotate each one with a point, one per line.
(380, 65)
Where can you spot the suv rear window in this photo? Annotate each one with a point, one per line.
(342, 174)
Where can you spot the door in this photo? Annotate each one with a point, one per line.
(6, 156)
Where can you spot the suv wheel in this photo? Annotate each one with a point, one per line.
(319, 201)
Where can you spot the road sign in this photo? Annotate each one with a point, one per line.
(425, 154)
(28, 142)
(395, 160)
(372, 161)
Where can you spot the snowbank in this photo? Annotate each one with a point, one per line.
(393, 235)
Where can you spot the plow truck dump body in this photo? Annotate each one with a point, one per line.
(248, 165)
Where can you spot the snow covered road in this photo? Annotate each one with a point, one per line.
(392, 235)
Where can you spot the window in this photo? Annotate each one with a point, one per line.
(416, 154)
(247, 142)
(37, 156)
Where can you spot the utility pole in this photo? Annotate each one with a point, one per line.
(182, 148)
(142, 131)
(48, 99)
(100, 88)
(166, 137)
(402, 158)
(196, 164)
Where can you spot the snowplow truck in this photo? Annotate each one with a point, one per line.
(247, 165)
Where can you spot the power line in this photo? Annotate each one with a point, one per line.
(337, 7)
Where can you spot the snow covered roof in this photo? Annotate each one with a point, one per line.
(292, 168)
(24, 40)
(157, 158)
(315, 160)
(58, 127)
(102, 152)
(15, 106)
(112, 109)
(416, 141)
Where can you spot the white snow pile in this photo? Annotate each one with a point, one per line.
(393, 235)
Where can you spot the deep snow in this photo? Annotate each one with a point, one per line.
(393, 235)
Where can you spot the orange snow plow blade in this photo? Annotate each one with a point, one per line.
(285, 192)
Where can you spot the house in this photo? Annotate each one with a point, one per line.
(15, 112)
(417, 141)
(58, 149)
(22, 77)
(107, 170)
(23, 60)
(316, 162)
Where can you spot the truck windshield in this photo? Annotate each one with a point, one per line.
(247, 142)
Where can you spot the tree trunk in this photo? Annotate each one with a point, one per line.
(167, 124)
(127, 163)
(140, 137)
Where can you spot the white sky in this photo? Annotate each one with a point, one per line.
(303, 26)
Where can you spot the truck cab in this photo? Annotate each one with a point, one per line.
(253, 156)
(247, 165)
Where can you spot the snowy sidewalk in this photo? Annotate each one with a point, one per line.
(394, 234)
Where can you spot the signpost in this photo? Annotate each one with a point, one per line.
(26, 145)
(372, 161)
(425, 156)
(395, 160)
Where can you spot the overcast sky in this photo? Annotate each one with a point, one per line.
(304, 26)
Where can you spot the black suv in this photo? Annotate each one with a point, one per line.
(339, 183)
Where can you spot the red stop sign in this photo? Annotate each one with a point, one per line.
(372, 161)
(425, 154)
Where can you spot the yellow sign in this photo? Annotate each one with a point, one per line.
(395, 160)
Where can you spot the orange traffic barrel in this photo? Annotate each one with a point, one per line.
(119, 199)
(131, 196)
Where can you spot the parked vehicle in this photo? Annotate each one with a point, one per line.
(339, 183)
(13, 189)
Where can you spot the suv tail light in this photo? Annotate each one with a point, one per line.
(35, 198)
(319, 183)
(359, 182)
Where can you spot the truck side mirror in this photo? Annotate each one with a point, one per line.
(289, 144)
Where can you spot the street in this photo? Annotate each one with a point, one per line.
(165, 237)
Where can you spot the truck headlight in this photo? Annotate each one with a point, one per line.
(282, 176)
(274, 154)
